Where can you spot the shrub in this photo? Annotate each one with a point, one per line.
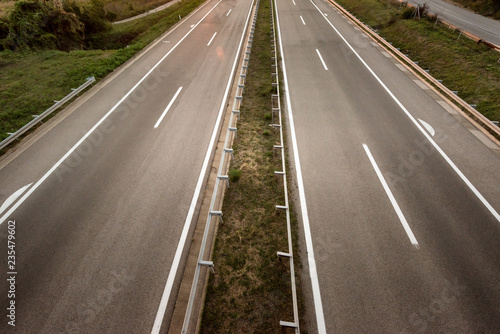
(92, 15)
(407, 13)
(234, 174)
(43, 24)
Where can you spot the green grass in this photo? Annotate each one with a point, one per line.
(120, 9)
(472, 70)
(127, 8)
(31, 81)
(484, 7)
(251, 290)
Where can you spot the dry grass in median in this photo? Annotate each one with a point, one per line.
(251, 290)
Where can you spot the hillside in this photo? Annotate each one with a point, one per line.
(116, 9)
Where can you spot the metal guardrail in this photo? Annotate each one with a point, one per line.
(39, 118)
(223, 167)
(276, 109)
(487, 124)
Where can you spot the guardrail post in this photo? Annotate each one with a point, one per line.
(218, 214)
(208, 264)
(224, 177)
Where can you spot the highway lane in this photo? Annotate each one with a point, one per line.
(96, 239)
(366, 272)
(481, 26)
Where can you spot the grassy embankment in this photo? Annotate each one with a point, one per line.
(472, 70)
(118, 9)
(251, 290)
(31, 80)
(489, 8)
(125, 9)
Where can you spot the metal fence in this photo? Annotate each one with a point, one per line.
(39, 118)
(277, 124)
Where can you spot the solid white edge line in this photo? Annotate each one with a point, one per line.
(322, 61)
(57, 164)
(394, 203)
(410, 116)
(168, 107)
(173, 271)
(12, 198)
(211, 39)
(229, 12)
(318, 305)
(302, 20)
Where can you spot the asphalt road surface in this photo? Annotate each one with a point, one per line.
(398, 196)
(481, 26)
(103, 199)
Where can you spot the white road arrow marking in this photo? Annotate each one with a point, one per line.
(13, 198)
(428, 127)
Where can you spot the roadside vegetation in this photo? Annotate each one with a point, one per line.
(251, 290)
(484, 7)
(40, 63)
(115, 9)
(467, 67)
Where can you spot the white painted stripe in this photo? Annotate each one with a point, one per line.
(322, 61)
(302, 20)
(211, 39)
(395, 205)
(100, 121)
(168, 107)
(175, 264)
(410, 116)
(294, 2)
(229, 12)
(318, 305)
(428, 127)
(12, 198)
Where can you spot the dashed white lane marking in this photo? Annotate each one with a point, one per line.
(322, 61)
(394, 203)
(211, 39)
(168, 107)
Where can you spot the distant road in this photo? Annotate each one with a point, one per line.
(476, 24)
(149, 12)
